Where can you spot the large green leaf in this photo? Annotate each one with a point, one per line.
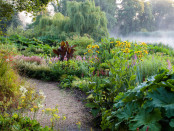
(171, 123)
(145, 119)
(127, 112)
(162, 98)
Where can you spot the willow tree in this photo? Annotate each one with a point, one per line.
(52, 27)
(86, 18)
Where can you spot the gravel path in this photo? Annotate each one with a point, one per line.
(69, 104)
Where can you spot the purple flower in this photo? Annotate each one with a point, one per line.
(135, 57)
(169, 64)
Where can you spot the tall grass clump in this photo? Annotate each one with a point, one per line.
(149, 67)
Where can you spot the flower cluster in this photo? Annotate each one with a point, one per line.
(92, 49)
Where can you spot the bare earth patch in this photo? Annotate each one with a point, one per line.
(68, 104)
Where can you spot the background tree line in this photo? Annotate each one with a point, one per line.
(94, 17)
(129, 16)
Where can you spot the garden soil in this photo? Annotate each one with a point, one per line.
(70, 104)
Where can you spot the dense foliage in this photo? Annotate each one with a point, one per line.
(82, 18)
(149, 105)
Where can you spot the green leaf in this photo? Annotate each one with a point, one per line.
(162, 98)
(91, 105)
(95, 112)
(127, 112)
(171, 123)
(146, 119)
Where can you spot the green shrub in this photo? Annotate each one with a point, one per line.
(81, 42)
(51, 71)
(149, 105)
(18, 123)
(9, 79)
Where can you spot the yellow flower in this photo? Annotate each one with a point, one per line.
(127, 50)
(48, 109)
(35, 107)
(146, 51)
(78, 123)
(31, 109)
(93, 47)
(56, 116)
(89, 46)
(90, 51)
(23, 97)
(91, 61)
(64, 117)
(141, 59)
(128, 45)
(43, 111)
(139, 56)
(96, 46)
(85, 53)
(111, 42)
(144, 44)
(135, 44)
(98, 52)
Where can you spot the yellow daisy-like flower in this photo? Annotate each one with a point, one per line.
(127, 50)
(111, 42)
(93, 47)
(89, 51)
(89, 46)
(91, 61)
(139, 56)
(31, 109)
(98, 52)
(128, 45)
(144, 44)
(85, 53)
(96, 46)
(146, 51)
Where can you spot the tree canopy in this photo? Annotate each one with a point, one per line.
(82, 18)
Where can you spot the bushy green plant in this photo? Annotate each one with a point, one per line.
(81, 42)
(66, 80)
(18, 123)
(82, 84)
(165, 49)
(9, 79)
(149, 105)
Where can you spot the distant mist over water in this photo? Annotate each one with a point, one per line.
(164, 37)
